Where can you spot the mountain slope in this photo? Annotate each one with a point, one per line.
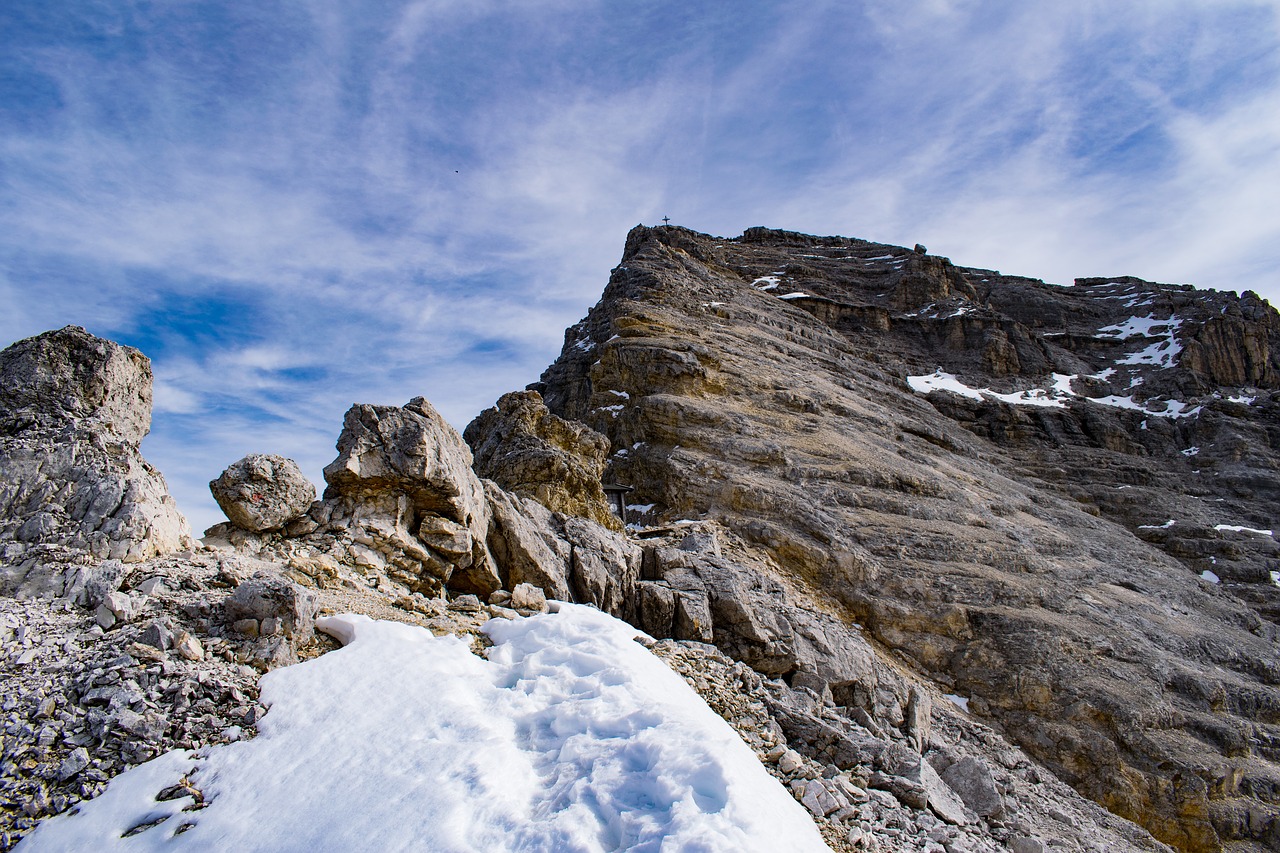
(1014, 549)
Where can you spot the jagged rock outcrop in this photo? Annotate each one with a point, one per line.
(73, 409)
(1054, 503)
(263, 492)
(160, 654)
(529, 451)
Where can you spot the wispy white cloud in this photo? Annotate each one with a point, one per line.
(293, 208)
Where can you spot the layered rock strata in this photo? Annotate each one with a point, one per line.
(134, 658)
(1055, 503)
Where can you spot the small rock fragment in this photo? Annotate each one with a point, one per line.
(189, 647)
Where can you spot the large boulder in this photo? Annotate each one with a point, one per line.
(403, 491)
(71, 377)
(262, 492)
(525, 449)
(409, 450)
(73, 409)
(524, 539)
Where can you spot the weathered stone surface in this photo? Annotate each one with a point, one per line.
(410, 450)
(70, 376)
(1018, 555)
(526, 596)
(526, 545)
(529, 451)
(266, 596)
(604, 566)
(972, 782)
(263, 492)
(73, 409)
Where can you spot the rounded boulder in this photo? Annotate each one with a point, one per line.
(263, 492)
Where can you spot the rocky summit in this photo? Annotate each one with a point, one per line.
(1057, 503)
(971, 562)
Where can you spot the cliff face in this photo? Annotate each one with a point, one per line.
(1054, 501)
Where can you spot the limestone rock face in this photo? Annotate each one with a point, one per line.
(263, 492)
(527, 450)
(73, 409)
(1064, 518)
(410, 450)
(70, 376)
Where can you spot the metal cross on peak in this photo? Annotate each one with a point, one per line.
(666, 220)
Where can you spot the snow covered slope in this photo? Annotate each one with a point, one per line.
(570, 737)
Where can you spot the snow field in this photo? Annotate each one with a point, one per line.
(1054, 398)
(570, 737)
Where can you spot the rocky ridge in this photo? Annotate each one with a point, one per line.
(108, 662)
(1056, 503)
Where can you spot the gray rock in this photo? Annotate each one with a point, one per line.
(526, 596)
(71, 766)
(262, 492)
(411, 450)
(655, 608)
(89, 585)
(158, 636)
(942, 800)
(525, 544)
(971, 779)
(70, 376)
(73, 409)
(605, 566)
(528, 451)
(265, 596)
(1025, 844)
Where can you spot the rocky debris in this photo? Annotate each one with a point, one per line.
(80, 703)
(263, 492)
(871, 794)
(527, 450)
(73, 409)
(274, 609)
(1039, 554)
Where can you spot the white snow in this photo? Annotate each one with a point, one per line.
(623, 394)
(1055, 397)
(570, 737)
(1275, 578)
(940, 380)
(795, 295)
(1242, 398)
(961, 702)
(1210, 576)
(1162, 352)
(584, 345)
(640, 507)
(767, 282)
(1190, 451)
(1237, 529)
(1135, 326)
(1165, 526)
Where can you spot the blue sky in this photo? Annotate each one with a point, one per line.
(294, 206)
